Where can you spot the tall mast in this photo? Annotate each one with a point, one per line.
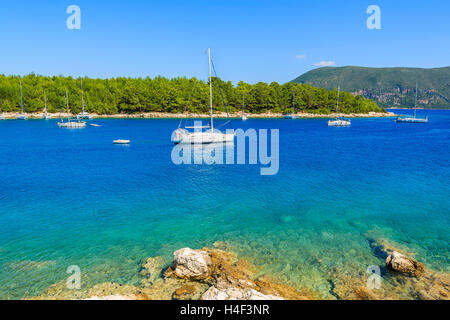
(337, 105)
(67, 102)
(21, 96)
(210, 90)
(45, 102)
(415, 103)
(82, 100)
(243, 101)
(293, 102)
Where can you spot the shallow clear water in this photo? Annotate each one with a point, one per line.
(71, 197)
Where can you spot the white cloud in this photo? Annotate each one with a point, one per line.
(325, 63)
(301, 56)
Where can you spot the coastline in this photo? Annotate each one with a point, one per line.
(218, 273)
(166, 115)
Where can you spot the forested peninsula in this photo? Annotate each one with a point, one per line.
(142, 95)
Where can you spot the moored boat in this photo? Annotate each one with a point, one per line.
(121, 141)
(293, 115)
(184, 136)
(70, 123)
(83, 114)
(414, 119)
(22, 115)
(339, 121)
(46, 115)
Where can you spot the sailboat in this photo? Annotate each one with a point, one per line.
(339, 121)
(46, 115)
(292, 115)
(244, 116)
(198, 136)
(83, 114)
(22, 115)
(414, 119)
(70, 123)
(2, 117)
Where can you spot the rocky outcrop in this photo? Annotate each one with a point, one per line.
(400, 263)
(233, 293)
(191, 264)
(229, 278)
(215, 274)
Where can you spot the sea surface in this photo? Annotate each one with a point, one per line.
(71, 197)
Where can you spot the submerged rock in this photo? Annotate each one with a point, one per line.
(111, 290)
(115, 297)
(188, 292)
(233, 293)
(191, 264)
(151, 270)
(401, 263)
(28, 265)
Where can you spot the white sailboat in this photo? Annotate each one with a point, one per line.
(2, 117)
(414, 119)
(339, 121)
(198, 136)
(293, 115)
(22, 115)
(70, 123)
(46, 115)
(83, 114)
(244, 116)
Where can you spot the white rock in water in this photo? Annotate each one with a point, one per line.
(233, 293)
(188, 263)
(401, 263)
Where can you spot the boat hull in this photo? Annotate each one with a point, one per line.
(121, 141)
(339, 123)
(412, 120)
(72, 125)
(202, 138)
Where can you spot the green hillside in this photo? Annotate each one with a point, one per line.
(159, 94)
(387, 86)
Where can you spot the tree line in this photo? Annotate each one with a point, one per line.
(159, 94)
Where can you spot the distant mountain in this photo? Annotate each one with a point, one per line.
(387, 86)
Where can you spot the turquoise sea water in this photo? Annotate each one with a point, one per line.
(71, 197)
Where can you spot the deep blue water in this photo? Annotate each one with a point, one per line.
(71, 197)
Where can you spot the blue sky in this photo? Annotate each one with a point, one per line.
(251, 40)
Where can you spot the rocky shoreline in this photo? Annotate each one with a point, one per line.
(165, 115)
(218, 274)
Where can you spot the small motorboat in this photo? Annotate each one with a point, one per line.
(120, 141)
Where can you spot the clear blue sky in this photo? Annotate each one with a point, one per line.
(252, 40)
